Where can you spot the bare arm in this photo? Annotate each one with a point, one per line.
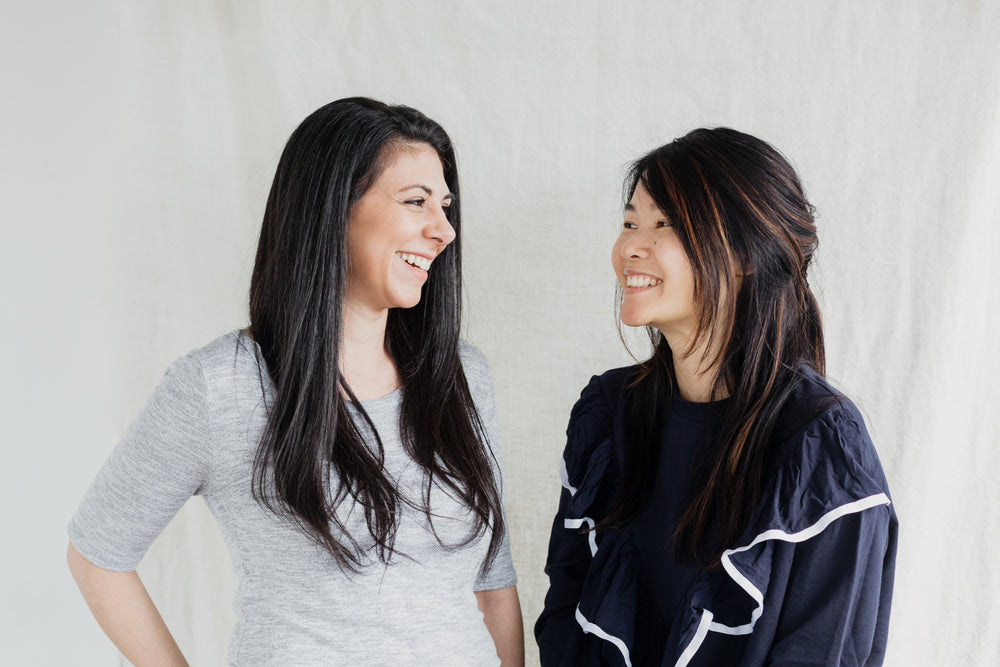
(125, 612)
(502, 614)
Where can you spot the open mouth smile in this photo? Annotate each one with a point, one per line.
(640, 281)
(416, 261)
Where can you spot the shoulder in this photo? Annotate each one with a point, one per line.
(589, 454)
(472, 358)
(225, 350)
(205, 371)
(824, 423)
(232, 354)
(599, 401)
(476, 368)
(825, 458)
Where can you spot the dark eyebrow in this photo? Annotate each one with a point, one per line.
(629, 207)
(428, 190)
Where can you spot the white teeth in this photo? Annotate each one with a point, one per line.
(641, 281)
(421, 263)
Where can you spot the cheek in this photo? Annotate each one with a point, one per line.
(674, 260)
(616, 256)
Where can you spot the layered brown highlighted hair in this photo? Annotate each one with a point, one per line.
(748, 229)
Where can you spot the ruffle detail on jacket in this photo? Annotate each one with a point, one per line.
(607, 607)
(824, 468)
(589, 454)
(829, 471)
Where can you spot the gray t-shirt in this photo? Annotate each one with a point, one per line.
(198, 434)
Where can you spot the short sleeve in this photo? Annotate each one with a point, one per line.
(160, 462)
(501, 572)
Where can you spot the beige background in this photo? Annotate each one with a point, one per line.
(138, 141)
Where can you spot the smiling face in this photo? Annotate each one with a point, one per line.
(654, 271)
(396, 230)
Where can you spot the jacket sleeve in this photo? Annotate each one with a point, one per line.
(561, 639)
(817, 561)
(566, 566)
(832, 604)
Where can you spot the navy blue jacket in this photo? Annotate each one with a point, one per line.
(808, 583)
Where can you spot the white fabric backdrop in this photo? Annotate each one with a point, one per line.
(139, 140)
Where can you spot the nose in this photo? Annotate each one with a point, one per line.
(439, 229)
(634, 246)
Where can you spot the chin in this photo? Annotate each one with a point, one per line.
(633, 319)
(405, 302)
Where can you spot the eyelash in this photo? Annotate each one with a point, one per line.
(659, 224)
(420, 201)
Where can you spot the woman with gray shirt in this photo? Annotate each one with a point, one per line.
(346, 441)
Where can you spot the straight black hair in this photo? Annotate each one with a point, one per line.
(296, 318)
(748, 230)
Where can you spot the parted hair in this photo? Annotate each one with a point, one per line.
(296, 318)
(748, 230)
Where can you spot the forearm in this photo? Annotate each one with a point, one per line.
(502, 614)
(125, 612)
(566, 565)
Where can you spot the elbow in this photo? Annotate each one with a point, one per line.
(83, 571)
(76, 563)
(500, 600)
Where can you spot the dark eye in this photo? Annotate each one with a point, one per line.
(629, 225)
(664, 223)
(416, 201)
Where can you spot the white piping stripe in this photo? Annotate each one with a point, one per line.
(576, 524)
(564, 477)
(739, 629)
(801, 536)
(773, 534)
(699, 637)
(593, 629)
(587, 626)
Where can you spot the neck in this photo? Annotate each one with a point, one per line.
(364, 362)
(694, 369)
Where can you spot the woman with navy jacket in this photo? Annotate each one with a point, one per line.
(722, 503)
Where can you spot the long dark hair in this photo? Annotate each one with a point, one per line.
(296, 306)
(748, 230)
